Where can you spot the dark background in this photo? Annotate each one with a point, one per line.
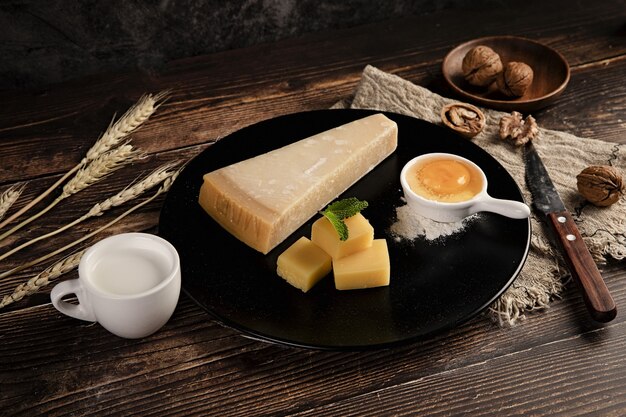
(48, 41)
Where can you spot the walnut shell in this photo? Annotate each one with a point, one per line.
(481, 66)
(600, 185)
(515, 79)
(463, 118)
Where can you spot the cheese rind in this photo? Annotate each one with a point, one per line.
(366, 269)
(264, 199)
(360, 236)
(303, 264)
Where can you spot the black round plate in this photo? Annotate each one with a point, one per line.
(434, 285)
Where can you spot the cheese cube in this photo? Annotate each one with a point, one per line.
(303, 264)
(366, 269)
(360, 236)
(264, 199)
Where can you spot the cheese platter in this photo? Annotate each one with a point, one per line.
(434, 286)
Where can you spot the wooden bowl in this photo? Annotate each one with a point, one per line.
(551, 73)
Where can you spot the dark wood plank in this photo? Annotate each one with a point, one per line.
(227, 91)
(594, 103)
(561, 378)
(591, 106)
(55, 365)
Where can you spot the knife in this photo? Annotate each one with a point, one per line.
(581, 265)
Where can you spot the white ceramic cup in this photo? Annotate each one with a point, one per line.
(129, 283)
(454, 212)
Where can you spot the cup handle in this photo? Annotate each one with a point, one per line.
(507, 208)
(82, 311)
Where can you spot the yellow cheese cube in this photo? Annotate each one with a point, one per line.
(366, 269)
(303, 264)
(360, 236)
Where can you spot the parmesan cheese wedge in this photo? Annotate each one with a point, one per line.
(264, 199)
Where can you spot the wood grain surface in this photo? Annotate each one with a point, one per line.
(557, 362)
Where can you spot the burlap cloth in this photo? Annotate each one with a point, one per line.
(543, 276)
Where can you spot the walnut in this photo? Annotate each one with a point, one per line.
(481, 65)
(464, 118)
(515, 79)
(600, 185)
(521, 131)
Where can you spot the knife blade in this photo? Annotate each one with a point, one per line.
(547, 202)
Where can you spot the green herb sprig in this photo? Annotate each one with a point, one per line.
(337, 211)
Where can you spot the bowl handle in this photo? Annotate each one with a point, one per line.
(507, 208)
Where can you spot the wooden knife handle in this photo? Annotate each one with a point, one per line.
(582, 267)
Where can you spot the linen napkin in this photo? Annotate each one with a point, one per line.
(544, 274)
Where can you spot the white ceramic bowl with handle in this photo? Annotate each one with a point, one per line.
(453, 212)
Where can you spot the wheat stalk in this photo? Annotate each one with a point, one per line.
(10, 196)
(129, 193)
(113, 136)
(99, 168)
(129, 122)
(42, 279)
(165, 186)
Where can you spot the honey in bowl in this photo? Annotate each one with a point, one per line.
(445, 180)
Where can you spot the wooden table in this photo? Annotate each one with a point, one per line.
(557, 362)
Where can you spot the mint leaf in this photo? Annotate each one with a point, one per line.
(338, 224)
(347, 207)
(342, 209)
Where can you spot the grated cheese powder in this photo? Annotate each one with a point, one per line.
(410, 225)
